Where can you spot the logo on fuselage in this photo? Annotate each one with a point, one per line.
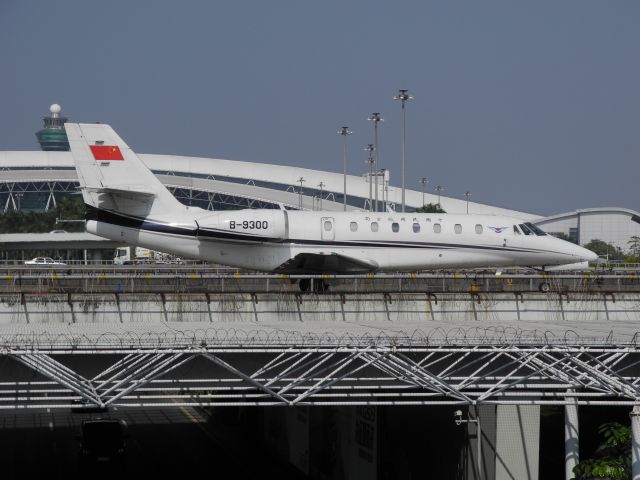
(497, 229)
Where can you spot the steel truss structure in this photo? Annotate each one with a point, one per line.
(217, 201)
(13, 194)
(288, 375)
(43, 194)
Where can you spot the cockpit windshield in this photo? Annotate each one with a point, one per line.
(525, 229)
(528, 229)
(537, 230)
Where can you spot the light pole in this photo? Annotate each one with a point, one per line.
(385, 189)
(424, 182)
(457, 415)
(345, 132)
(376, 118)
(301, 180)
(321, 185)
(467, 194)
(370, 148)
(403, 96)
(439, 189)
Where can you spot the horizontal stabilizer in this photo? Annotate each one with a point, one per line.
(120, 191)
(314, 263)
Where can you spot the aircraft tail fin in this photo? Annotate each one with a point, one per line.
(112, 177)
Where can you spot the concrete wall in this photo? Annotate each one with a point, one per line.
(326, 443)
(344, 443)
(226, 309)
(510, 442)
(286, 431)
(517, 442)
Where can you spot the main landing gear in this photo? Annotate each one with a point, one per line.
(544, 287)
(315, 284)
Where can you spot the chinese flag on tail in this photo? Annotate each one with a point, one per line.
(106, 152)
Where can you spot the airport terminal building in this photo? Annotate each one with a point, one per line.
(37, 180)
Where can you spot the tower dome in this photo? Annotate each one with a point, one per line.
(53, 138)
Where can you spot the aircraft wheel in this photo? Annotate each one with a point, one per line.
(544, 287)
(304, 284)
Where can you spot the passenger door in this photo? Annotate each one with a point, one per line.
(327, 228)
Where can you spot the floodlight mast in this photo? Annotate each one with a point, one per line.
(321, 185)
(301, 180)
(370, 148)
(376, 118)
(345, 132)
(424, 182)
(404, 97)
(439, 189)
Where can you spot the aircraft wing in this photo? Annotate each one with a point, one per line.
(313, 263)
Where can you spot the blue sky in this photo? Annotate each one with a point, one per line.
(529, 105)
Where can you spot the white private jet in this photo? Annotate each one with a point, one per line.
(126, 202)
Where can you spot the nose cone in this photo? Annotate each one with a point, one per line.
(575, 252)
(583, 254)
(588, 255)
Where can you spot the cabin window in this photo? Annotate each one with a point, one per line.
(374, 226)
(478, 228)
(516, 231)
(395, 227)
(457, 228)
(416, 228)
(328, 226)
(437, 228)
(353, 226)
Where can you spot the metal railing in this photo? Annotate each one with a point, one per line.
(181, 279)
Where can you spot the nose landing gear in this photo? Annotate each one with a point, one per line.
(315, 284)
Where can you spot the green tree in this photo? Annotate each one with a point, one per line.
(430, 208)
(634, 245)
(605, 249)
(69, 208)
(612, 458)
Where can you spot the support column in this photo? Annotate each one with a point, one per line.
(635, 443)
(571, 440)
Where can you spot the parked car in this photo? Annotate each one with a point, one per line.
(103, 441)
(43, 261)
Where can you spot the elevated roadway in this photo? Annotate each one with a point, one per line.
(86, 338)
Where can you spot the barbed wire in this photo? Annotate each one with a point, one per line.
(217, 337)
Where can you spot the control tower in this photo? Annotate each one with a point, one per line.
(53, 138)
